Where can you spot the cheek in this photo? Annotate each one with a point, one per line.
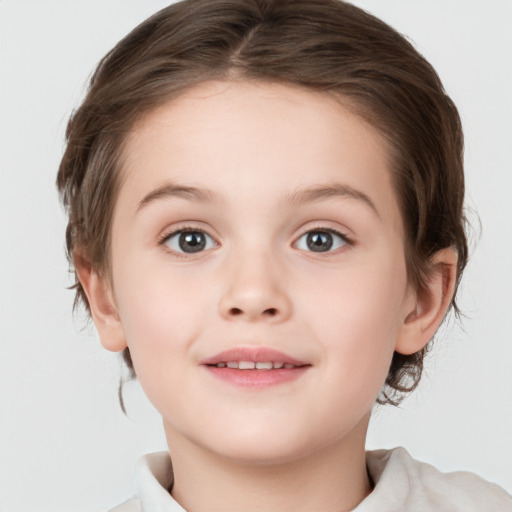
(162, 314)
(358, 315)
(160, 326)
(361, 295)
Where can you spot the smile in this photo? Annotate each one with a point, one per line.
(251, 365)
(255, 367)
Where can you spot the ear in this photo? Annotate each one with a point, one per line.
(426, 309)
(102, 306)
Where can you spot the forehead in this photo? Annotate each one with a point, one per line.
(256, 112)
(257, 140)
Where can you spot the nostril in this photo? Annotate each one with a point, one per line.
(267, 312)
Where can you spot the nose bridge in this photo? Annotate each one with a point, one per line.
(254, 287)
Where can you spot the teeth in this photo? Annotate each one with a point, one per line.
(264, 366)
(251, 365)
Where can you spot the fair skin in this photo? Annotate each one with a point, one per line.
(320, 278)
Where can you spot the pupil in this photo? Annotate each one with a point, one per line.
(192, 241)
(319, 241)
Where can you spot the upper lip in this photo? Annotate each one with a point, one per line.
(255, 354)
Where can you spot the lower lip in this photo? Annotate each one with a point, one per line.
(257, 378)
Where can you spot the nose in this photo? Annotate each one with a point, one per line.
(254, 290)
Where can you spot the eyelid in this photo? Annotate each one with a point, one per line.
(168, 234)
(348, 240)
(188, 225)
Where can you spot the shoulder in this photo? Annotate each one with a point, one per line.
(132, 505)
(418, 486)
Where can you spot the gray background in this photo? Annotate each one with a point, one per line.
(64, 443)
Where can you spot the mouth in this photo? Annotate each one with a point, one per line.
(255, 367)
(252, 365)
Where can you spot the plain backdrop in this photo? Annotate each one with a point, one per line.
(64, 442)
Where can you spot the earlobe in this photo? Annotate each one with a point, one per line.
(101, 303)
(428, 307)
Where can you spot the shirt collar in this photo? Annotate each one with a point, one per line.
(389, 470)
(154, 477)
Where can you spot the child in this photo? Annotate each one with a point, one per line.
(266, 217)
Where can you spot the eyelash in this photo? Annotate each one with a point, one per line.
(168, 235)
(323, 229)
(348, 241)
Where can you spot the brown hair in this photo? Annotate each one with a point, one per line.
(323, 45)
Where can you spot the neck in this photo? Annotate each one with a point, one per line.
(332, 479)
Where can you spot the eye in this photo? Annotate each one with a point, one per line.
(322, 240)
(189, 241)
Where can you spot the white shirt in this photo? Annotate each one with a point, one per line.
(402, 484)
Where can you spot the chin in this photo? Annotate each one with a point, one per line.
(267, 444)
(262, 454)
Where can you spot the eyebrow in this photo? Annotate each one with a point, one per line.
(297, 198)
(181, 191)
(319, 192)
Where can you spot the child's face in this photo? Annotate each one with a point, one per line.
(252, 277)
